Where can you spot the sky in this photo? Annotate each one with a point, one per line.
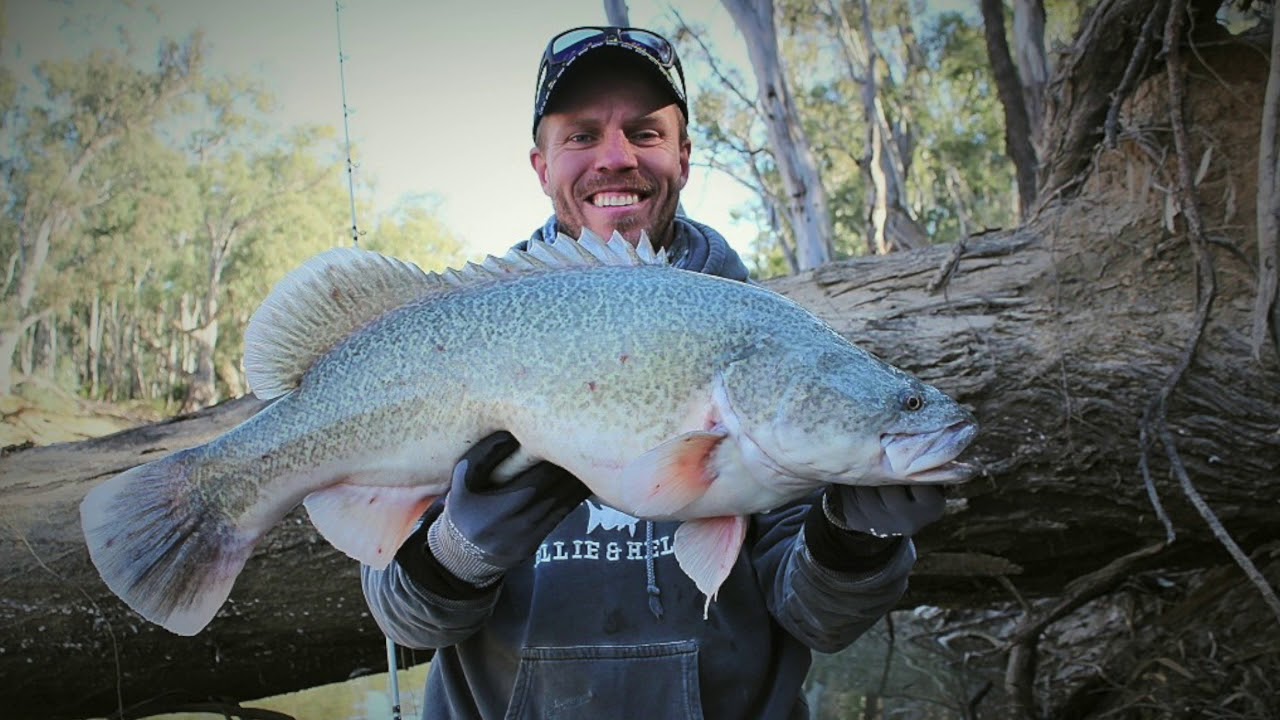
(440, 93)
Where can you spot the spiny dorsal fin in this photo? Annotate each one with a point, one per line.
(316, 306)
(339, 291)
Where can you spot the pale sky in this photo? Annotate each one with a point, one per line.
(441, 92)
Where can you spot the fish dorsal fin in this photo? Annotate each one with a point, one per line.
(314, 307)
(341, 290)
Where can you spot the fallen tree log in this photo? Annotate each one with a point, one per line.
(1056, 346)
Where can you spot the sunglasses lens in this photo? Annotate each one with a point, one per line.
(564, 45)
(661, 48)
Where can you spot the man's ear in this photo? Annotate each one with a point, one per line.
(686, 150)
(539, 163)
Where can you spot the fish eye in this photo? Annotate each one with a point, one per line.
(912, 401)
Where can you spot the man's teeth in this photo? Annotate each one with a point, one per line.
(614, 199)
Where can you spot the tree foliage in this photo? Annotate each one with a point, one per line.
(174, 204)
(935, 103)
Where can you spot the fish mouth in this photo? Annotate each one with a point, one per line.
(929, 458)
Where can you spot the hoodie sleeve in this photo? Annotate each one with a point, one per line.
(419, 604)
(823, 607)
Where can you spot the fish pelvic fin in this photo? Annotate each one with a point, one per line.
(160, 547)
(706, 550)
(366, 522)
(670, 476)
(337, 292)
(319, 304)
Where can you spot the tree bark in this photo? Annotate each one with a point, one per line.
(806, 202)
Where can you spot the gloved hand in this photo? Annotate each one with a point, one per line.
(487, 528)
(883, 511)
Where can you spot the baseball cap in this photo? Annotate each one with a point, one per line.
(572, 45)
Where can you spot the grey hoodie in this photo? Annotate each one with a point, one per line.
(602, 623)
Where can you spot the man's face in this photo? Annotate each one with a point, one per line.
(611, 156)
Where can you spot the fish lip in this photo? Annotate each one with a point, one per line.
(949, 473)
(929, 458)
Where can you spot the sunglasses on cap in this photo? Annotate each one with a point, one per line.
(572, 44)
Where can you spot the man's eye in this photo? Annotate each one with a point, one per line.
(580, 138)
(645, 136)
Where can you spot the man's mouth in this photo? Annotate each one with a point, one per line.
(615, 199)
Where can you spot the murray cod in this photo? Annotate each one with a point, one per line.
(672, 395)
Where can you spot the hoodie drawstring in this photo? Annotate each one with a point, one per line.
(655, 601)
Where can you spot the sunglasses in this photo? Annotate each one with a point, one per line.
(568, 45)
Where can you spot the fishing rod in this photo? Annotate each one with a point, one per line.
(392, 668)
(346, 126)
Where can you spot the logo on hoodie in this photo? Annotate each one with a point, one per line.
(605, 517)
(603, 521)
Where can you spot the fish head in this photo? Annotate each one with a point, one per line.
(843, 416)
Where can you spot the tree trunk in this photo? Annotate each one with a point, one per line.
(1033, 63)
(1017, 128)
(892, 226)
(615, 11)
(806, 202)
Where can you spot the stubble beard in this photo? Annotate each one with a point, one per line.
(660, 230)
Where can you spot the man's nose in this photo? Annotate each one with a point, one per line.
(616, 153)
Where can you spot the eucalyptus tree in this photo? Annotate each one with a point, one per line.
(60, 131)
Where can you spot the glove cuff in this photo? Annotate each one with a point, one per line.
(459, 555)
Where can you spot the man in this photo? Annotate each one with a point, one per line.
(540, 601)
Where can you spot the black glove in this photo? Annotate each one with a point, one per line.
(487, 528)
(884, 510)
(859, 528)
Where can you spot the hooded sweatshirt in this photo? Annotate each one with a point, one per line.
(602, 623)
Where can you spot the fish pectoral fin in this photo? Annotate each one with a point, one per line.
(670, 476)
(707, 548)
(367, 522)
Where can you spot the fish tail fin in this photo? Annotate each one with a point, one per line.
(160, 548)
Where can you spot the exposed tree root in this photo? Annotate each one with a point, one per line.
(1154, 419)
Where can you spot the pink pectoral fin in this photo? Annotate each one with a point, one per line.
(368, 523)
(670, 476)
(707, 548)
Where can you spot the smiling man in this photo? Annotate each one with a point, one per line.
(542, 602)
(611, 145)
(611, 148)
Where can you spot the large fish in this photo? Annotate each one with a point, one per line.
(672, 395)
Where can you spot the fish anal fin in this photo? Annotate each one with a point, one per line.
(707, 548)
(367, 522)
(670, 476)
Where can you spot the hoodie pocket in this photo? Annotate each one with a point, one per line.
(608, 681)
